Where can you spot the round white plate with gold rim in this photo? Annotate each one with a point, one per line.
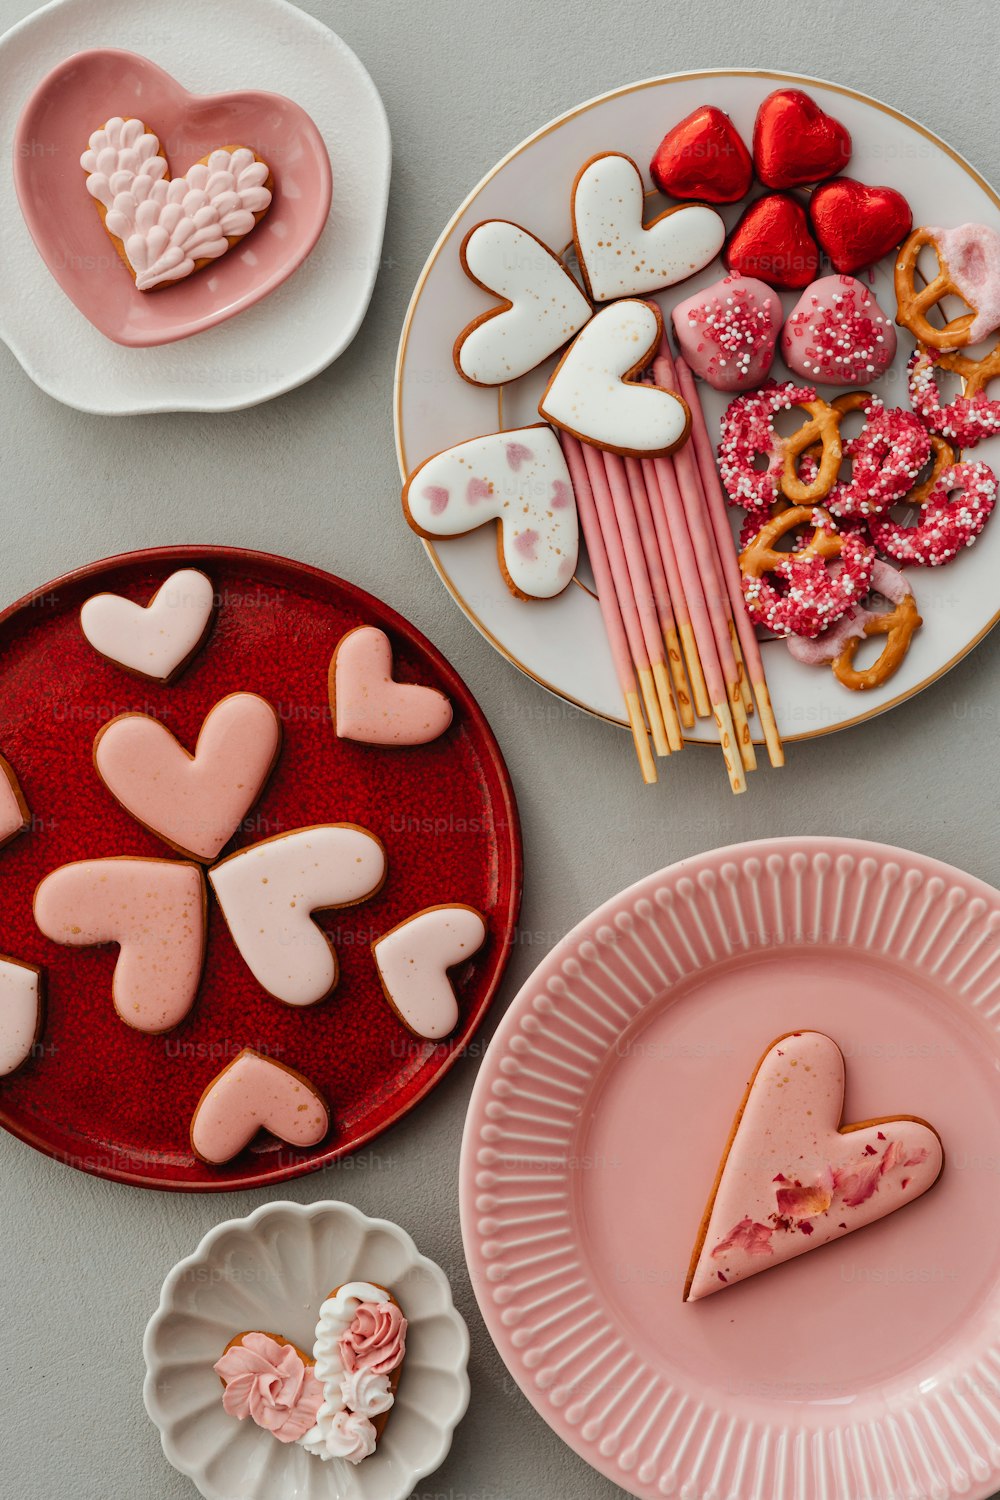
(561, 643)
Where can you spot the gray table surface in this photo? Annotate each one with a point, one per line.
(84, 1259)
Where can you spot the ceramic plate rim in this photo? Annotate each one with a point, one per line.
(874, 710)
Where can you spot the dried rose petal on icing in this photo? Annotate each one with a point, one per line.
(755, 1239)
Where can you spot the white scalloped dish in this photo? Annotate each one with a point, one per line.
(867, 1370)
(271, 1272)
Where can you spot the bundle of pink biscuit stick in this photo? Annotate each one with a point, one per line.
(668, 580)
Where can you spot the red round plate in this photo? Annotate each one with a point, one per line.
(116, 1102)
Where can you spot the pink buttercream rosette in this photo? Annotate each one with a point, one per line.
(272, 1384)
(376, 1339)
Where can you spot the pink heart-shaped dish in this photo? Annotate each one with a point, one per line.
(53, 130)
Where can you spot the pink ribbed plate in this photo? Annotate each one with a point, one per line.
(869, 1370)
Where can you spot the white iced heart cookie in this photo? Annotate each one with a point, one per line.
(154, 909)
(794, 1177)
(156, 640)
(541, 306)
(166, 227)
(21, 1012)
(413, 962)
(595, 392)
(269, 892)
(518, 479)
(618, 256)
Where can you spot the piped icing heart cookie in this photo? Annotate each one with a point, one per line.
(596, 391)
(837, 334)
(336, 1402)
(195, 802)
(15, 817)
(252, 1094)
(793, 1177)
(154, 909)
(165, 228)
(21, 1012)
(619, 256)
(270, 891)
(728, 331)
(413, 962)
(370, 706)
(541, 306)
(517, 479)
(158, 640)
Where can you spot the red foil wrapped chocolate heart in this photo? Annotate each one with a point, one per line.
(703, 159)
(772, 242)
(856, 224)
(795, 142)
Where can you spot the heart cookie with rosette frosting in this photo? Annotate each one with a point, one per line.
(794, 1177)
(164, 227)
(336, 1401)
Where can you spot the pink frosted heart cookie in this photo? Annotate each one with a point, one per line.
(196, 802)
(728, 331)
(413, 962)
(541, 306)
(370, 706)
(154, 909)
(158, 640)
(837, 334)
(334, 1403)
(619, 255)
(165, 228)
(516, 479)
(22, 1012)
(793, 1177)
(256, 1093)
(270, 891)
(14, 815)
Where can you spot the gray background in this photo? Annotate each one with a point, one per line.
(84, 1259)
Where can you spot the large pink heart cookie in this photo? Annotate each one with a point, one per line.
(369, 705)
(193, 802)
(111, 85)
(154, 909)
(251, 1094)
(793, 1177)
(269, 892)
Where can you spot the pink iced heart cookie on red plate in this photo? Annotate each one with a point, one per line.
(193, 802)
(270, 892)
(156, 640)
(154, 909)
(370, 706)
(251, 1094)
(837, 334)
(336, 1401)
(793, 1177)
(413, 962)
(728, 331)
(21, 1012)
(14, 815)
(205, 218)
